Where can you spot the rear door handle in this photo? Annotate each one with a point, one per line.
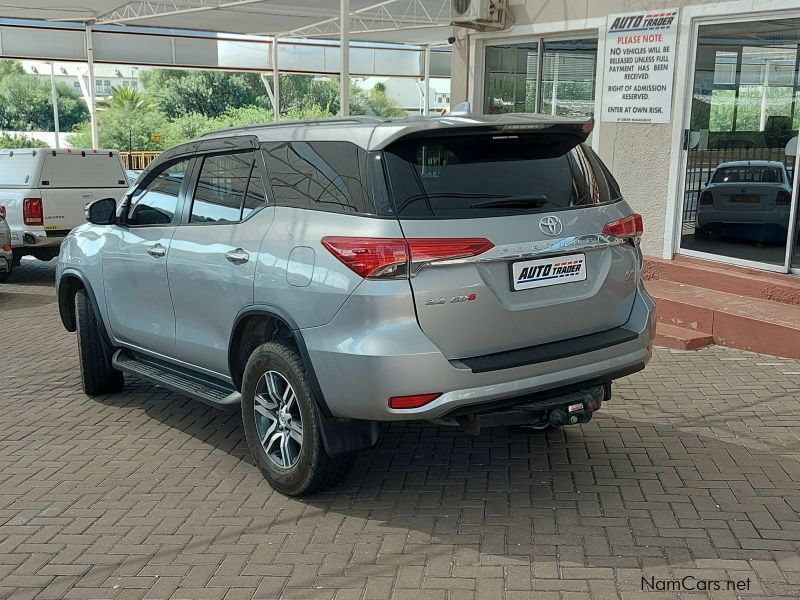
(157, 251)
(237, 257)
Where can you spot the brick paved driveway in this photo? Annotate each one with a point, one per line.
(692, 470)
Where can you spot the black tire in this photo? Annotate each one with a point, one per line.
(313, 471)
(6, 274)
(97, 374)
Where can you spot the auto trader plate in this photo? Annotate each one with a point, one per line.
(529, 274)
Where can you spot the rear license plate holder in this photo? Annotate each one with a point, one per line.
(744, 199)
(545, 272)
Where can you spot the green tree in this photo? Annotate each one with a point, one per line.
(116, 130)
(26, 103)
(126, 99)
(19, 141)
(187, 127)
(10, 67)
(299, 91)
(377, 102)
(211, 93)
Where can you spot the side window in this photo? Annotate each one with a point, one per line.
(155, 204)
(221, 188)
(256, 194)
(330, 176)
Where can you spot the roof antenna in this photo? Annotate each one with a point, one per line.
(462, 109)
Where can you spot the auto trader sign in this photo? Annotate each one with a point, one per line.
(639, 61)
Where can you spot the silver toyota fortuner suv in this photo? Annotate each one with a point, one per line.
(327, 276)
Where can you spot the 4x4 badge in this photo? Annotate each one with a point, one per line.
(453, 300)
(551, 225)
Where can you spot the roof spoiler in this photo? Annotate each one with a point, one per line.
(570, 132)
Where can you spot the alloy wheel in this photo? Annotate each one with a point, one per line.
(278, 420)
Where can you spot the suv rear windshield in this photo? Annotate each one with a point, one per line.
(476, 176)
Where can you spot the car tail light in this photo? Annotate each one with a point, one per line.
(2, 211)
(370, 257)
(414, 401)
(32, 213)
(629, 227)
(386, 258)
(783, 198)
(706, 197)
(429, 249)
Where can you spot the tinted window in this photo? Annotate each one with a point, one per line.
(488, 175)
(221, 188)
(155, 204)
(749, 174)
(328, 176)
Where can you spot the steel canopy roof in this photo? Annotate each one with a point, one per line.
(398, 21)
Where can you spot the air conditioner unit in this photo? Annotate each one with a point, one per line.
(480, 14)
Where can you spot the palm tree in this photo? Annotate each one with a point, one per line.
(125, 99)
(125, 105)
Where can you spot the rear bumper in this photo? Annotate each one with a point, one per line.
(359, 367)
(776, 216)
(36, 238)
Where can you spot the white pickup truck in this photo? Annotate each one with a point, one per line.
(45, 191)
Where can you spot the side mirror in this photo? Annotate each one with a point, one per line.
(101, 212)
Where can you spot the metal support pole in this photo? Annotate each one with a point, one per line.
(427, 108)
(92, 103)
(54, 96)
(344, 45)
(276, 82)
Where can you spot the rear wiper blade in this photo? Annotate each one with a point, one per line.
(537, 201)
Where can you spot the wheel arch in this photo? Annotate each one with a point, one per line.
(254, 326)
(257, 324)
(68, 285)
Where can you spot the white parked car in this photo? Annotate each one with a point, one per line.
(748, 200)
(45, 192)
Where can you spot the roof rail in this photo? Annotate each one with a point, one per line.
(360, 119)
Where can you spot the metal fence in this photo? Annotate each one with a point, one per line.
(701, 163)
(137, 160)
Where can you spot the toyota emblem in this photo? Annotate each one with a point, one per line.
(551, 225)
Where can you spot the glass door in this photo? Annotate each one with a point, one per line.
(742, 143)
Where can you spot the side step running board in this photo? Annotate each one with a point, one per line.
(214, 394)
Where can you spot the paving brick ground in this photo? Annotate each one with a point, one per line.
(691, 471)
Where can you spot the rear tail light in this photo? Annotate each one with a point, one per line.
(783, 198)
(706, 197)
(387, 258)
(629, 227)
(414, 401)
(32, 213)
(2, 211)
(370, 257)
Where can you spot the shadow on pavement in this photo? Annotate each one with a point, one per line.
(615, 492)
